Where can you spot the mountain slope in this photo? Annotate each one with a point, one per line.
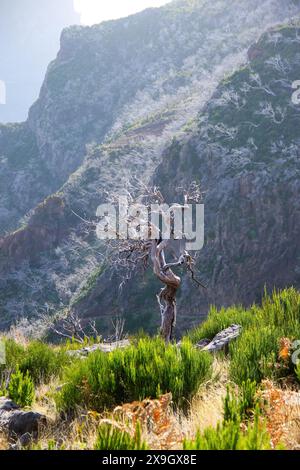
(125, 89)
(118, 74)
(244, 152)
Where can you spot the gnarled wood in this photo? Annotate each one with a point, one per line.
(167, 296)
(222, 339)
(104, 347)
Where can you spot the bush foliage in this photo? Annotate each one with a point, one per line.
(21, 389)
(230, 436)
(111, 437)
(145, 370)
(242, 428)
(40, 360)
(255, 355)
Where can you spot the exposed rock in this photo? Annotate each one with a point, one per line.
(17, 423)
(43, 232)
(254, 52)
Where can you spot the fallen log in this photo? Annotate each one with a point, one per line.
(104, 347)
(221, 340)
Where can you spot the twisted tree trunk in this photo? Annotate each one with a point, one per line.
(167, 296)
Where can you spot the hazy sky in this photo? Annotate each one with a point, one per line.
(95, 11)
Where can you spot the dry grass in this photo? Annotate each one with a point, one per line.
(207, 407)
(44, 399)
(4, 445)
(77, 434)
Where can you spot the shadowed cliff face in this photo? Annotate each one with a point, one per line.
(245, 154)
(46, 228)
(124, 97)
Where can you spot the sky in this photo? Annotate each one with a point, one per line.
(95, 11)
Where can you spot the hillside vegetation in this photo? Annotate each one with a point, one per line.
(82, 393)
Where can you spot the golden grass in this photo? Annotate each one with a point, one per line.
(4, 445)
(207, 407)
(44, 399)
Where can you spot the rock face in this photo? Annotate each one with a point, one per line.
(17, 423)
(125, 97)
(45, 230)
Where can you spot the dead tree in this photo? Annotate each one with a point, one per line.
(71, 327)
(126, 256)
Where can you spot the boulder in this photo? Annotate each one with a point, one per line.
(18, 423)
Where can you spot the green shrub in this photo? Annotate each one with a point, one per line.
(110, 437)
(14, 353)
(229, 436)
(219, 320)
(254, 355)
(297, 371)
(238, 408)
(21, 389)
(145, 370)
(279, 310)
(248, 398)
(41, 360)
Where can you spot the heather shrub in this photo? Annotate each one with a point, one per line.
(219, 320)
(240, 407)
(230, 436)
(21, 389)
(40, 360)
(112, 437)
(255, 355)
(43, 361)
(145, 370)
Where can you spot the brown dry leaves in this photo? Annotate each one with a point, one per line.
(282, 410)
(159, 426)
